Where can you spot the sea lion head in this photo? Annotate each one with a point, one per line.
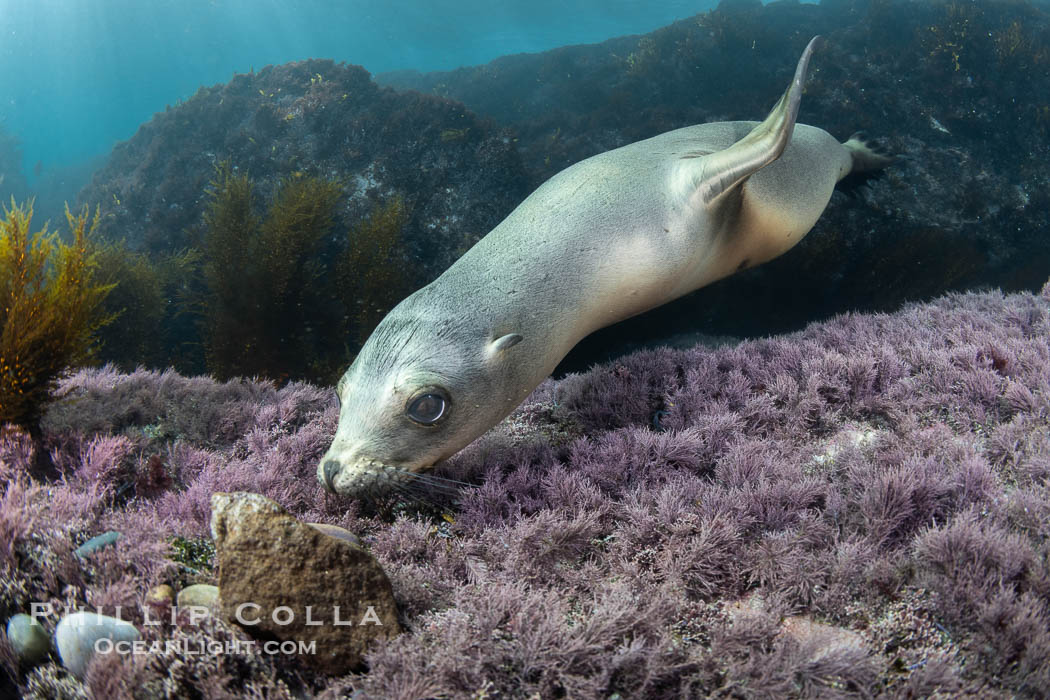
(420, 390)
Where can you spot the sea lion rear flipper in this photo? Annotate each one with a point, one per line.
(865, 157)
(720, 172)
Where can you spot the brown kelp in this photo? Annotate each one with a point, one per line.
(50, 309)
(286, 297)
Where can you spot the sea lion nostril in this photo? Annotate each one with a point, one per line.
(330, 469)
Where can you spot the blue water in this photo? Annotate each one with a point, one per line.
(78, 75)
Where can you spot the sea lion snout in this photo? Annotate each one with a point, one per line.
(349, 473)
(342, 470)
(327, 473)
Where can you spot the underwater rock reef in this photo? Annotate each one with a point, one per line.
(458, 174)
(860, 509)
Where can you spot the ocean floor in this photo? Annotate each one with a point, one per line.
(858, 509)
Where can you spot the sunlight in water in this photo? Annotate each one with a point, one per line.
(77, 76)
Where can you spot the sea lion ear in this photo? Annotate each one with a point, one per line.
(504, 343)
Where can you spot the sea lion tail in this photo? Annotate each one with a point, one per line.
(722, 171)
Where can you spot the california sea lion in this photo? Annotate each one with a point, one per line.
(605, 239)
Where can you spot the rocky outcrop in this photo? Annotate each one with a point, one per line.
(459, 174)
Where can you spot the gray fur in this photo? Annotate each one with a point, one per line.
(605, 239)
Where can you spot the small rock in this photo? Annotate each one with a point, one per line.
(77, 634)
(203, 595)
(159, 600)
(159, 595)
(812, 635)
(336, 531)
(283, 579)
(96, 543)
(743, 607)
(819, 635)
(28, 638)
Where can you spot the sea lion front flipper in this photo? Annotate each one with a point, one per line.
(720, 172)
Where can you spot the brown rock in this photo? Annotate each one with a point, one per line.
(282, 579)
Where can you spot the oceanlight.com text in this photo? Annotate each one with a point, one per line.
(189, 647)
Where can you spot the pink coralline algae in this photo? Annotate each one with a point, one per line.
(857, 509)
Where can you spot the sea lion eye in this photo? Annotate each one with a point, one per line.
(428, 408)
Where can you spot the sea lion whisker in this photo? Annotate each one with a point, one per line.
(451, 490)
(437, 479)
(420, 494)
(413, 495)
(407, 475)
(419, 497)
